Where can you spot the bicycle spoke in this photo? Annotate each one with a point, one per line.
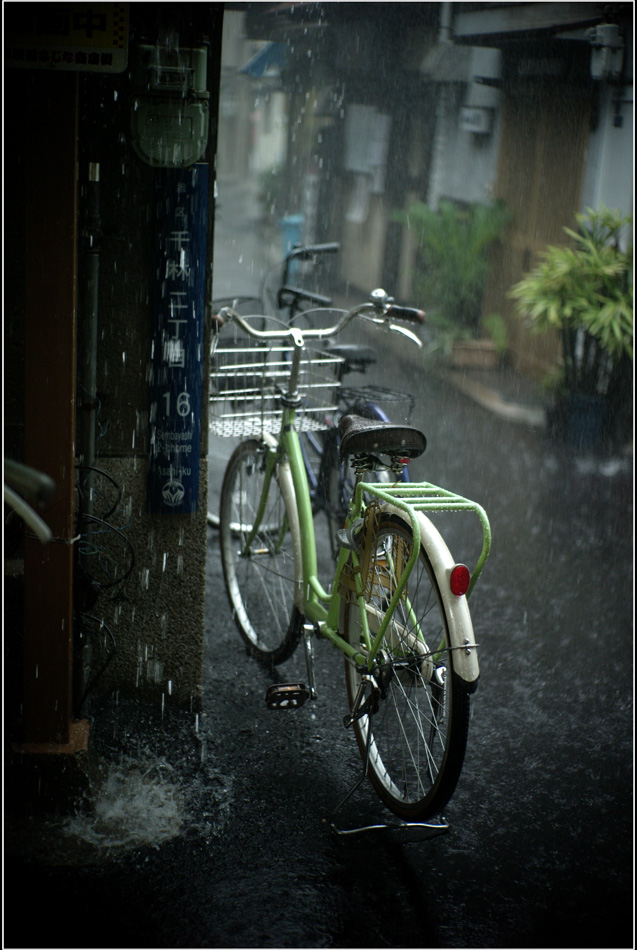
(415, 747)
(258, 559)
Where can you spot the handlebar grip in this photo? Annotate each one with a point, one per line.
(216, 322)
(413, 314)
(331, 247)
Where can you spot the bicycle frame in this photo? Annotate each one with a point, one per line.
(321, 608)
(409, 500)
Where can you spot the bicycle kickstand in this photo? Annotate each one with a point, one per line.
(369, 707)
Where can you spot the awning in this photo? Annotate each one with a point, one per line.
(270, 59)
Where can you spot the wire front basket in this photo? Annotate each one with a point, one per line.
(248, 377)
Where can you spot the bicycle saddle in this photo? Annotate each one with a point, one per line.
(360, 435)
(355, 354)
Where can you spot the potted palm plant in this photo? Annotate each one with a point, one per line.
(584, 291)
(451, 273)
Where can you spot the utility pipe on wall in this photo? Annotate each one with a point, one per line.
(87, 369)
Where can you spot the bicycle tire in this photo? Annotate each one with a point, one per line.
(418, 735)
(262, 586)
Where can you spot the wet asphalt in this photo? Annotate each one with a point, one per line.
(223, 836)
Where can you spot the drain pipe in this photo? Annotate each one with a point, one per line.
(445, 31)
(88, 406)
(88, 338)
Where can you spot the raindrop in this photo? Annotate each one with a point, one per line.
(124, 358)
(170, 687)
(165, 561)
(197, 723)
(180, 564)
(145, 578)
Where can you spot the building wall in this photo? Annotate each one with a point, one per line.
(465, 163)
(252, 114)
(610, 160)
(155, 619)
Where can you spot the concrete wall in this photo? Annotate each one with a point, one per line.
(465, 163)
(610, 161)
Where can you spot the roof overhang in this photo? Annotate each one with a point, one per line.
(494, 24)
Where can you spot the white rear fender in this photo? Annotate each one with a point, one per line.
(457, 609)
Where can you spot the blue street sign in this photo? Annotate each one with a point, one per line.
(179, 285)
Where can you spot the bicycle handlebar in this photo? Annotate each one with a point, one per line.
(379, 309)
(28, 481)
(306, 251)
(22, 480)
(299, 294)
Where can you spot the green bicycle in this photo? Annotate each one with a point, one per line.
(397, 607)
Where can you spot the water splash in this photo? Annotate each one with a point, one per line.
(135, 807)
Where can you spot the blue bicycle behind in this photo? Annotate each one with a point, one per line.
(330, 478)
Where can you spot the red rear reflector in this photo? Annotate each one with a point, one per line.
(459, 580)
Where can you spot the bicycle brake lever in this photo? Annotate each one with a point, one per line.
(405, 332)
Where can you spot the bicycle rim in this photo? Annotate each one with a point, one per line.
(259, 566)
(417, 737)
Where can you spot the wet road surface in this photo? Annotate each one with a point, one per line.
(216, 829)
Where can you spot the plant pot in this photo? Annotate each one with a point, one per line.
(585, 420)
(474, 354)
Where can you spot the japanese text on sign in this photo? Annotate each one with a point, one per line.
(177, 349)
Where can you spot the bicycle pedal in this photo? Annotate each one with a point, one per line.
(286, 695)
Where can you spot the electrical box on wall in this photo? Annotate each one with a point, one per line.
(170, 105)
(477, 120)
(607, 56)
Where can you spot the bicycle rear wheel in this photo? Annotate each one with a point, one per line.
(260, 566)
(416, 738)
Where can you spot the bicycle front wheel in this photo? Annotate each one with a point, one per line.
(416, 736)
(260, 552)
